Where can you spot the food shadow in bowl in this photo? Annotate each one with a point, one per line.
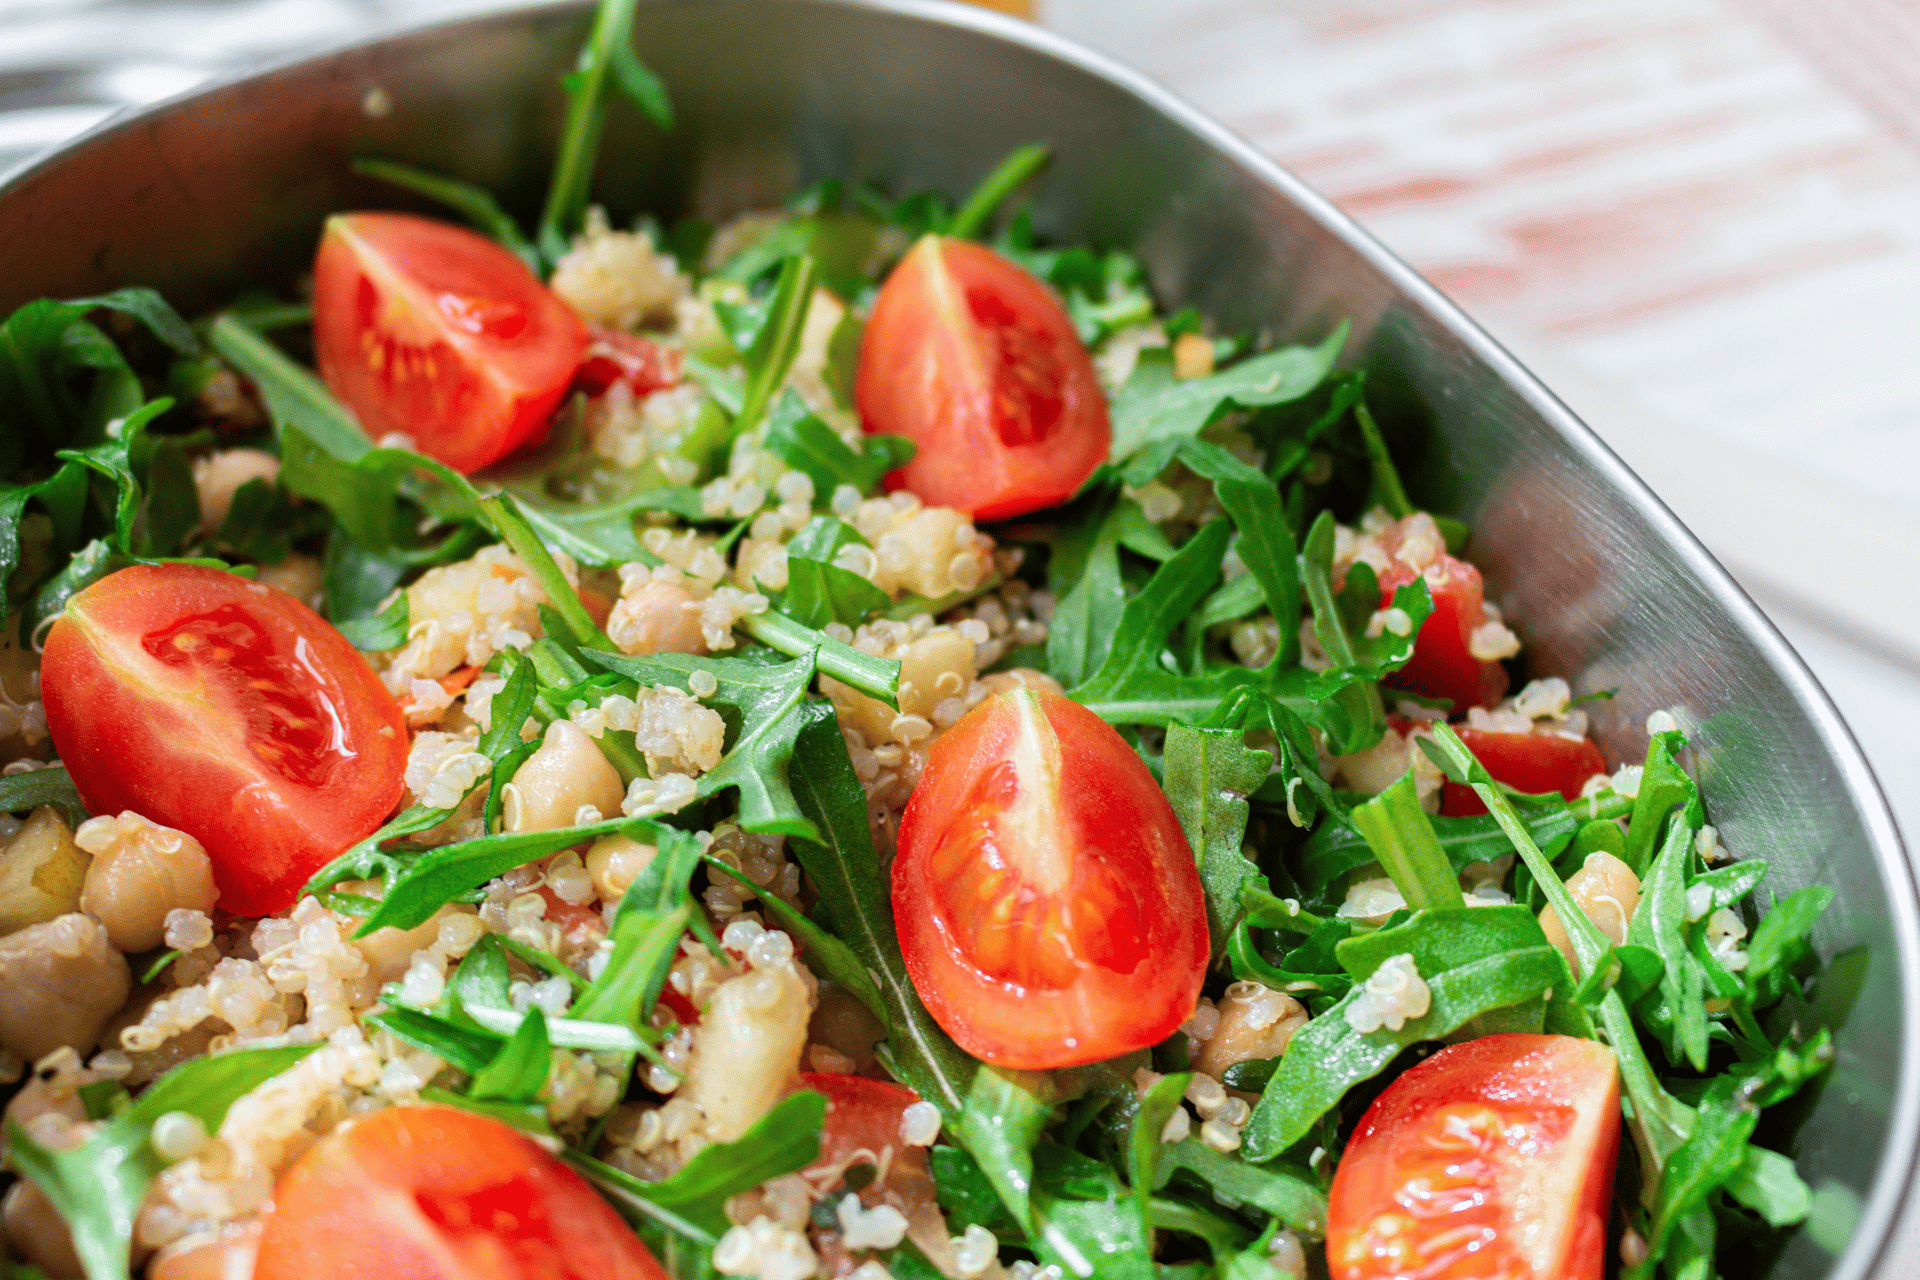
(225, 189)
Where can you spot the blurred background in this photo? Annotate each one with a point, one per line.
(1697, 220)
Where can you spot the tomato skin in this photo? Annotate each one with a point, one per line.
(977, 362)
(436, 1193)
(1535, 763)
(435, 331)
(147, 679)
(1443, 665)
(1492, 1158)
(1048, 905)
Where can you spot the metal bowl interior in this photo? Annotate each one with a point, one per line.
(225, 189)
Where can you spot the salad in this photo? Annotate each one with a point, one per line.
(847, 742)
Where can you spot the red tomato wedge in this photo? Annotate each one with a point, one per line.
(435, 1193)
(863, 1125)
(977, 362)
(1048, 905)
(229, 710)
(1535, 763)
(1443, 665)
(429, 329)
(1492, 1158)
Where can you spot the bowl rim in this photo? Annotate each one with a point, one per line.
(1873, 1235)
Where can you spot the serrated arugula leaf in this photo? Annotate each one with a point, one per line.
(1209, 773)
(843, 865)
(1402, 840)
(51, 785)
(764, 704)
(784, 1140)
(1660, 924)
(818, 593)
(519, 1071)
(1265, 544)
(98, 1187)
(654, 912)
(1473, 960)
(796, 435)
(1084, 574)
(1146, 410)
(295, 396)
(1000, 1123)
(1283, 1190)
(1144, 1147)
(1663, 785)
(1790, 920)
(381, 631)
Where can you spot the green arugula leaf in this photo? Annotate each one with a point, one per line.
(295, 395)
(1000, 1123)
(784, 1140)
(607, 64)
(468, 1048)
(764, 704)
(1283, 1190)
(1265, 544)
(1401, 837)
(1493, 958)
(51, 785)
(825, 952)
(1663, 785)
(98, 1186)
(654, 913)
(1790, 920)
(379, 632)
(1021, 164)
(800, 438)
(844, 867)
(819, 593)
(1660, 924)
(875, 677)
(1156, 409)
(519, 1071)
(1209, 773)
(778, 340)
(1084, 575)
(1144, 1147)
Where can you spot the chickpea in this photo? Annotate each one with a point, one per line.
(1021, 678)
(1255, 1022)
(218, 476)
(660, 617)
(40, 873)
(746, 1050)
(614, 861)
(211, 1256)
(59, 983)
(389, 951)
(1192, 355)
(142, 870)
(38, 1234)
(566, 773)
(1608, 891)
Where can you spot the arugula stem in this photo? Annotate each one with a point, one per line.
(586, 119)
(504, 515)
(875, 677)
(324, 420)
(477, 205)
(1387, 489)
(773, 351)
(1021, 163)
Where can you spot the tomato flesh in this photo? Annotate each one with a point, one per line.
(863, 1124)
(436, 1193)
(643, 364)
(434, 331)
(977, 362)
(1535, 763)
(1048, 904)
(1492, 1158)
(1443, 665)
(229, 710)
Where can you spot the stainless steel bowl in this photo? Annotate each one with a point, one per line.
(225, 188)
